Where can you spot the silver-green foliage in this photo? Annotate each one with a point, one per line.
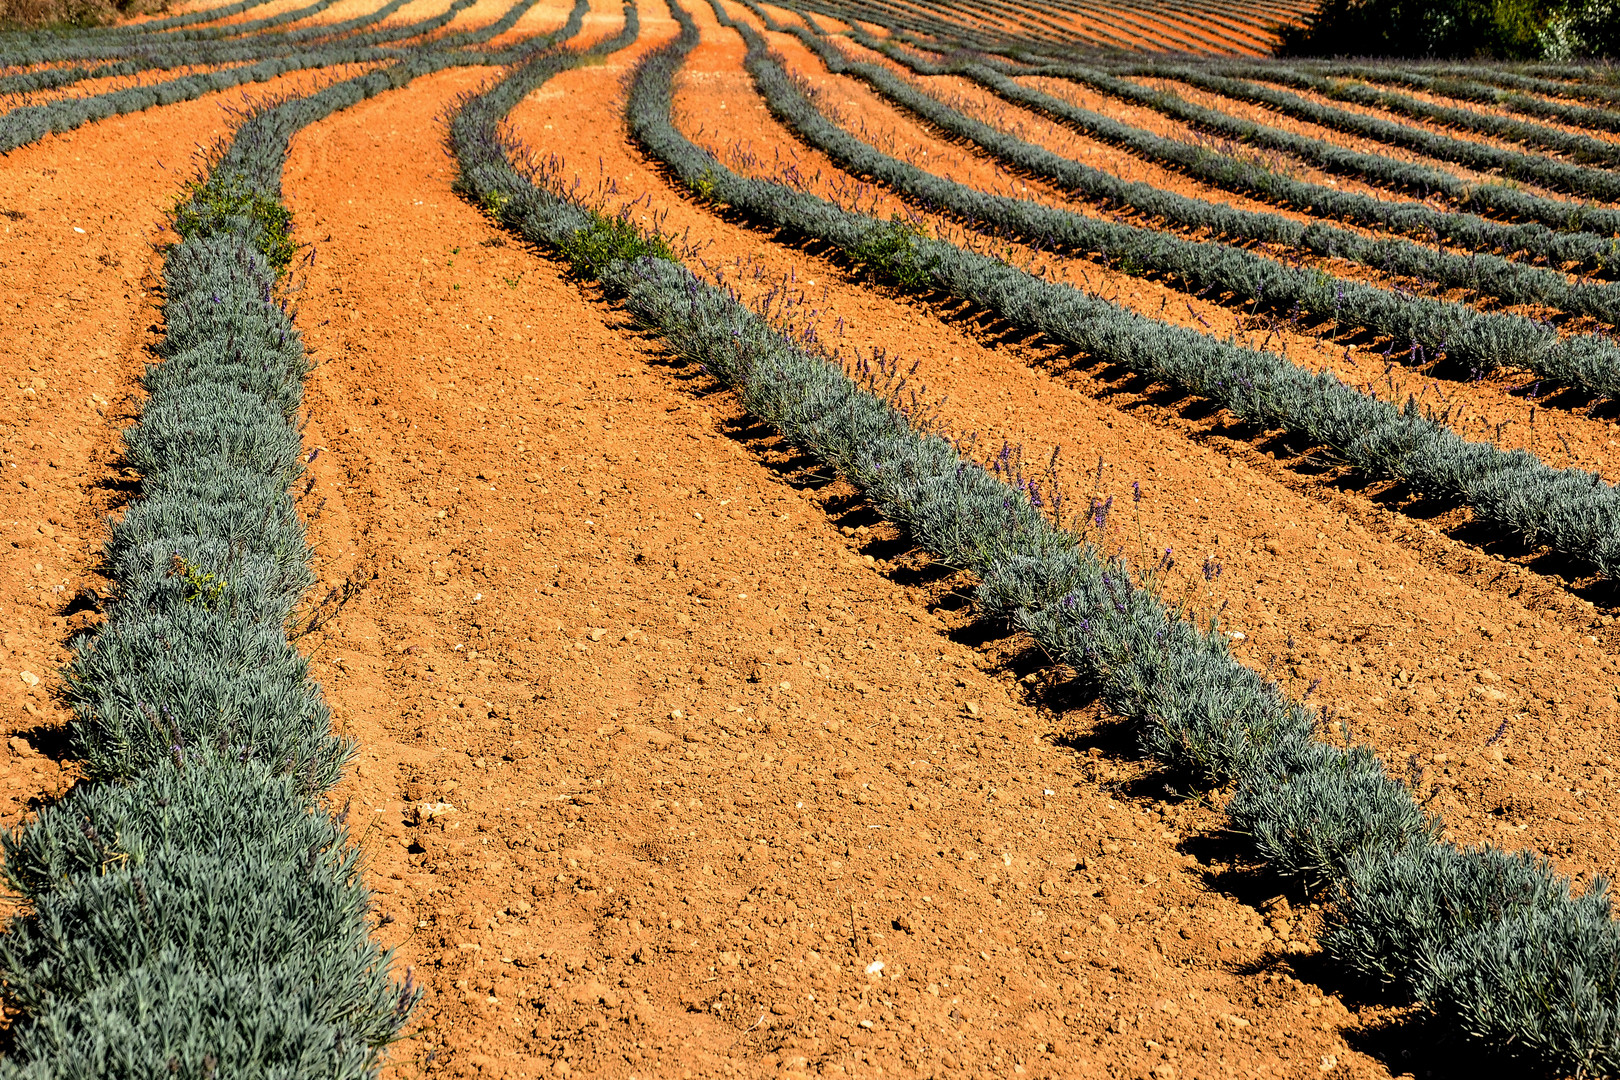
(1481, 341)
(1585, 251)
(202, 920)
(1572, 510)
(1321, 812)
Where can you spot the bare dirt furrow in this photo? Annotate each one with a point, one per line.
(1325, 585)
(1262, 115)
(1508, 408)
(658, 765)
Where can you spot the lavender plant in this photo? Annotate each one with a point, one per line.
(1572, 510)
(1319, 811)
(192, 910)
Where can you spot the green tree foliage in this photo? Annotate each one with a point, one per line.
(1502, 29)
(1589, 28)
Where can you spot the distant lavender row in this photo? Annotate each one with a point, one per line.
(1587, 252)
(1487, 939)
(1573, 145)
(29, 123)
(1502, 200)
(44, 47)
(1475, 89)
(1483, 341)
(1255, 277)
(23, 39)
(1581, 180)
(164, 55)
(1525, 80)
(1571, 510)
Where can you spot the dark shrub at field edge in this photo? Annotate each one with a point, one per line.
(21, 13)
(1502, 29)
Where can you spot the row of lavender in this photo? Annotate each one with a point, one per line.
(243, 54)
(193, 909)
(1571, 510)
(1489, 940)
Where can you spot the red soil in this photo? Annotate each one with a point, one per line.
(1484, 410)
(78, 280)
(706, 770)
(666, 741)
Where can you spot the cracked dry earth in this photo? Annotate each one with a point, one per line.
(674, 760)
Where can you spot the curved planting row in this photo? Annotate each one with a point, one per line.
(1487, 940)
(192, 909)
(1147, 29)
(28, 123)
(926, 21)
(1216, 28)
(1582, 180)
(1081, 24)
(1577, 147)
(1251, 277)
(1524, 80)
(1507, 202)
(1587, 253)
